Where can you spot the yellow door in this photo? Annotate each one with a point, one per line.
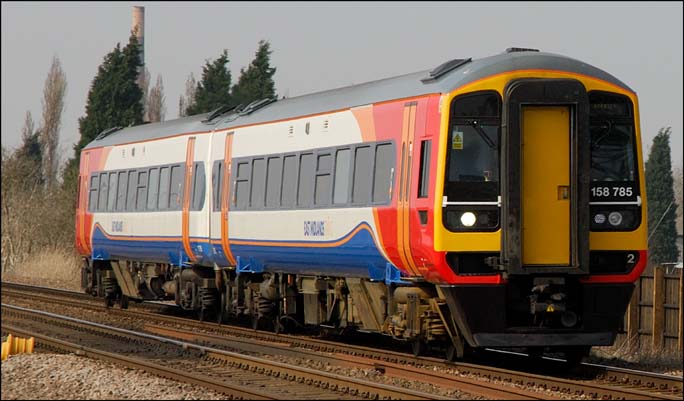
(546, 185)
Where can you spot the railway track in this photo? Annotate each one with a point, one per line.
(196, 364)
(605, 382)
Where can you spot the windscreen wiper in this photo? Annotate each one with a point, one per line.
(483, 134)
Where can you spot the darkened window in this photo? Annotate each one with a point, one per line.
(476, 105)
(141, 197)
(111, 200)
(176, 191)
(384, 167)
(217, 184)
(258, 183)
(273, 181)
(121, 194)
(132, 180)
(307, 170)
(424, 177)
(153, 190)
(472, 160)
(198, 186)
(289, 181)
(323, 190)
(362, 175)
(164, 182)
(613, 147)
(94, 187)
(241, 199)
(104, 185)
(342, 172)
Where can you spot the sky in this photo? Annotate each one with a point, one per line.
(320, 46)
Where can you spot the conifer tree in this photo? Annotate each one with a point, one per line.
(256, 82)
(115, 98)
(213, 91)
(661, 203)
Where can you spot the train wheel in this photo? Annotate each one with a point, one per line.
(123, 301)
(574, 355)
(418, 346)
(535, 353)
(255, 321)
(221, 315)
(451, 354)
(109, 301)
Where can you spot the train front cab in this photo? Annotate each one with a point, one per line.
(540, 216)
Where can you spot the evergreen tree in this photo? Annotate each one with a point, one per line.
(213, 91)
(115, 98)
(256, 82)
(661, 203)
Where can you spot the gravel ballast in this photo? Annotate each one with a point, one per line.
(45, 376)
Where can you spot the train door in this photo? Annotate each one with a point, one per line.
(545, 155)
(545, 185)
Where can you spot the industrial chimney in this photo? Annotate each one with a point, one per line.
(138, 27)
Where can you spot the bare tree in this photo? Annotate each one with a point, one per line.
(28, 129)
(53, 106)
(155, 102)
(188, 100)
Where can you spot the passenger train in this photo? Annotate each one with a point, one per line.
(494, 202)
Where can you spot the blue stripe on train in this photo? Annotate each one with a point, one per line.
(357, 257)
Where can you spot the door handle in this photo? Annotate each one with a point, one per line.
(563, 192)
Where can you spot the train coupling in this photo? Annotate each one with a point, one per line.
(548, 303)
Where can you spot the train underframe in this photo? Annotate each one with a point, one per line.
(552, 314)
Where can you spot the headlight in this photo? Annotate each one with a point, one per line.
(600, 218)
(615, 218)
(468, 219)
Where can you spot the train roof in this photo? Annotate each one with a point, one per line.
(442, 79)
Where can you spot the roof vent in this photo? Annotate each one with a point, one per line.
(256, 105)
(443, 68)
(107, 132)
(221, 110)
(520, 49)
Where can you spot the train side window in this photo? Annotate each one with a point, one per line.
(323, 190)
(307, 165)
(104, 185)
(241, 200)
(153, 190)
(361, 186)
(382, 179)
(198, 187)
(273, 181)
(342, 171)
(424, 177)
(111, 199)
(141, 196)
(258, 183)
(289, 194)
(130, 203)
(176, 191)
(94, 187)
(164, 182)
(216, 180)
(121, 193)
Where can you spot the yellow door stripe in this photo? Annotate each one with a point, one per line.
(189, 158)
(225, 202)
(403, 233)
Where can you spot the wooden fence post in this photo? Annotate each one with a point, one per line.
(681, 310)
(658, 306)
(633, 317)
